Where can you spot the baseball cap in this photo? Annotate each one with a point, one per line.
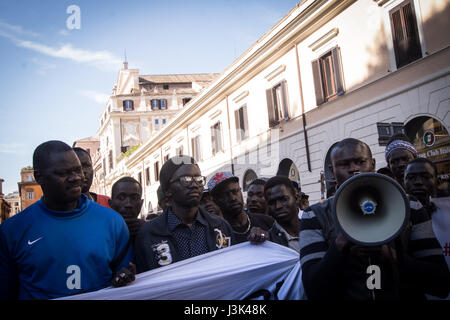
(220, 177)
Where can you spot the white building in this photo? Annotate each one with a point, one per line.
(328, 70)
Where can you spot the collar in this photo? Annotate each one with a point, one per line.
(173, 221)
(287, 235)
(83, 204)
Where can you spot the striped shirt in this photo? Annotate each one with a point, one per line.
(329, 274)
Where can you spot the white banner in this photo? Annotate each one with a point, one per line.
(264, 271)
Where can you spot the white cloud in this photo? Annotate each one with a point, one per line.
(103, 60)
(17, 29)
(98, 97)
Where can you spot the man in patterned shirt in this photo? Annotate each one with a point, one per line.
(335, 268)
(185, 229)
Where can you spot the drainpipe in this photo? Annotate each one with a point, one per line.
(305, 134)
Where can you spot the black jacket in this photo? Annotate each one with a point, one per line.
(155, 246)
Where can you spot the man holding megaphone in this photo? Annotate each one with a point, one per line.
(369, 241)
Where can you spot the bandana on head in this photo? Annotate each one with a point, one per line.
(399, 144)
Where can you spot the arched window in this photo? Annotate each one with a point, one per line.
(288, 168)
(432, 141)
(249, 176)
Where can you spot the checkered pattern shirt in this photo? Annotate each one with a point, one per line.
(191, 240)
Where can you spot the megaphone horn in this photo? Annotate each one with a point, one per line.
(371, 209)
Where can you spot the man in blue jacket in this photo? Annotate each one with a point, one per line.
(63, 244)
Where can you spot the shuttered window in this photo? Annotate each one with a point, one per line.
(128, 105)
(216, 138)
(156, 170)
(241, 122)
(405, 34)
(277, 103)
(196, 148)
(327, 74)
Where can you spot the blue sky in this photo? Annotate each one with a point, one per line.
(54, 80)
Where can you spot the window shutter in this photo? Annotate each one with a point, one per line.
(245, 121)
(237, 123)
(318, 86)
(405, 34)
(285, 106)
(273, 116)
(337, 68)
(213, 140)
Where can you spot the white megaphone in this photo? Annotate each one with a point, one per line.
(371, 209)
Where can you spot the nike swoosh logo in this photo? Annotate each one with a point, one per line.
(31, 242)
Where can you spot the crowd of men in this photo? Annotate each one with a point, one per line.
(73, 241)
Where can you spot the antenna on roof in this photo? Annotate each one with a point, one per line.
(125, 62)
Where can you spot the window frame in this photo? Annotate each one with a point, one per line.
(414, 51)
(216, 138)
(241, 133)
(332, 58)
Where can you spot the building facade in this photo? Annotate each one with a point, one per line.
(29, 190)
(5, 207)
(13, 200)
(90, 144)
(139, 107)
(328, 70)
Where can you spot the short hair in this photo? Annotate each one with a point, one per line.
(258, 182)
(78, 149)
(277, 180)
(425, 160)
(125, 179)
(43, 151)
(349, 142)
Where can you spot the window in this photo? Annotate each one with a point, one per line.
(249, 176)
(110, 158)
(128, 105)
(156, 124)
(30, 195)
(140, 177)
(166, 157)
(159, 104)
(186, 100)
(327, 73)
(163, 104)
(196, 148)
(165, 86)
(155, 104)
(156, 168)
(216, 138)
(277, 105)
(164, 121)
(30, 178)
(405, 34)
(147, 175)
(240, 117)
(179, 150)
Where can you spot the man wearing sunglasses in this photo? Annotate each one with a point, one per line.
(185, 229)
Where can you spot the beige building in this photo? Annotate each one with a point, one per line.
(326, 71)
(13, 200)
(90, 144)
(139, 107)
